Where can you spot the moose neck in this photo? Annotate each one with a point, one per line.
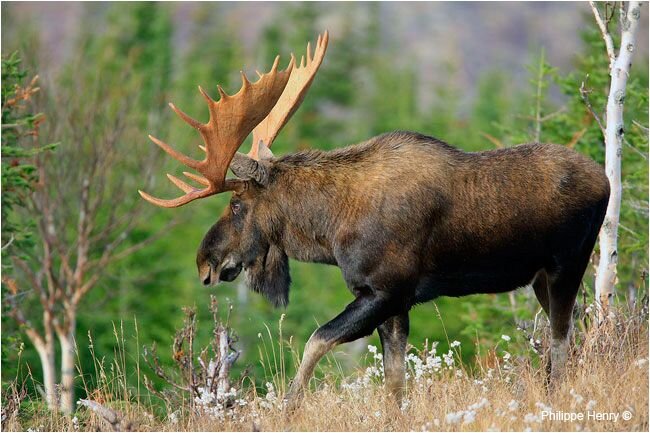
(304, 203)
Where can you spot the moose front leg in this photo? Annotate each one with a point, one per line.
(393, 334)
(359, 319)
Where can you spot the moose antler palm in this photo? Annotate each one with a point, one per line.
(297, 87)
(263, 107)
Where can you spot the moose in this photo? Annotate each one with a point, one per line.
(406, 217)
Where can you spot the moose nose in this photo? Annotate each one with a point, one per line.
(206, 280)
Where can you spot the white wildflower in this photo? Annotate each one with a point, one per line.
(531, 417)
(480, 405)
(576, 397)
(455, 343)
(505, 337)
(469, 417)
(449, 359)
(454, 417)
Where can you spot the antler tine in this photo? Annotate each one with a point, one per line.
(175, 154)
(180, 184)
(176, 202)
(197, 178)
(244, 80)
(207, 97)
(222, 93)
(189, 120)
(295, 91)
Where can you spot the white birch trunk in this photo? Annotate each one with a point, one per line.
(619, 71)
(67, 342)
(48, 365)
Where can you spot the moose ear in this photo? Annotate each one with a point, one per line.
(245, 167)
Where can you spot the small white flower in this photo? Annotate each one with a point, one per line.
(372, 349)
(531, 417)
(577, 397)
(513, 405)
(455, 343)
(469, 417)
(377, 414)
(454, 417)
(505, 337)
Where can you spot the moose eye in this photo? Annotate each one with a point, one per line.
(236, 207)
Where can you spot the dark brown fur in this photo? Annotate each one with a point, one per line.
(409, 218)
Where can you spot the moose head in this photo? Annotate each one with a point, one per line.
(242, 238)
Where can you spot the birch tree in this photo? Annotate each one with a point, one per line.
(619, 70)
(85, 204)
(20, 128)
(84, 211)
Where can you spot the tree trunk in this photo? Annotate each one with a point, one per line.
(46, 354)
(619, 72)
(67, 342)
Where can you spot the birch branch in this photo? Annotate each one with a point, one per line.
(584, 94)
(609, 42)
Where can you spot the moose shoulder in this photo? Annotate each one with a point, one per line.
(406, 217)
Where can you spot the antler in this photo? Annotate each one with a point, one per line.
(231, 120)
(295, 91)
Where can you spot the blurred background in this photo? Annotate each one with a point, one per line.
(477, 75)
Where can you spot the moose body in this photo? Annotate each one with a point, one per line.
(406, 217)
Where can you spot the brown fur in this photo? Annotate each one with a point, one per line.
(409, 218)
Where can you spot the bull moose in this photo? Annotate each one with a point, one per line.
(406, 217)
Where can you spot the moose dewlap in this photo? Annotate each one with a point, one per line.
(406, 217)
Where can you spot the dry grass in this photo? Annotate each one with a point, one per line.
(503, 392)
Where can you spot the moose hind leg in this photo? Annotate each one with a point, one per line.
(393, 334)
(541, 289)
(359, 319)
(563, 289)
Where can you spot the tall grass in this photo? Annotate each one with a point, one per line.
(503, 390)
